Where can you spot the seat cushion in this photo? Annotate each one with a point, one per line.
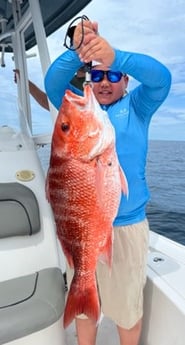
(19, 210)
(30, 303)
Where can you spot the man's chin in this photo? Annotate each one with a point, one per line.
(105, 100)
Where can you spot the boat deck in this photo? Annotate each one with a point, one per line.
(107, 333)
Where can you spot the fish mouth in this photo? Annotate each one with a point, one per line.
(86, 102)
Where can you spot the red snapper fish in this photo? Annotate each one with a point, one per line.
(84, 185)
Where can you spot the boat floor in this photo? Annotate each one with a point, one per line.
(107, 333)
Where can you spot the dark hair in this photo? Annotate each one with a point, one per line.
(70, 33)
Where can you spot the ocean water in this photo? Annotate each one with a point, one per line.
(166, 181)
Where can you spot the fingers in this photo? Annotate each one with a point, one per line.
(90, 46)
(16, 71)
(88, 37)
(82, 30)
(96, 48)
(90, 26)
(95, 27)
(91, 49)
(16, 74)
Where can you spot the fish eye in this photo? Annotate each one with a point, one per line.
(65, 127)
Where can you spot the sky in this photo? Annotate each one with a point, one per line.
(152, 27)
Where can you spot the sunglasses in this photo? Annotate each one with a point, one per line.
(97, 75)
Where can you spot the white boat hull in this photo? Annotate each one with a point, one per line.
(164, 299)
(32, 294)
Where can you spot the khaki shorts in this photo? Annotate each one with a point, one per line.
(121, 288)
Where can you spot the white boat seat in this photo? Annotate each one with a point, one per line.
(30, 303)
(19, 210)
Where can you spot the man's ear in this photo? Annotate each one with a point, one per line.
(126, 79)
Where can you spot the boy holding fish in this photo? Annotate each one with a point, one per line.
(121, 287)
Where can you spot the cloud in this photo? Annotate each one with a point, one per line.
(168, 123)
(178, 89)
(152, 27)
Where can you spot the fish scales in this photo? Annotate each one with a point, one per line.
(84, 185)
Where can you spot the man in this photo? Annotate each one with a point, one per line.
(41, 97)
(121, 292)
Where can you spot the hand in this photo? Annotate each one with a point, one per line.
(16, 74)
(94, 47)
(80, 33)
(97, 49)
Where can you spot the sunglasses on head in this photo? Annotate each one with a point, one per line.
(97, 75)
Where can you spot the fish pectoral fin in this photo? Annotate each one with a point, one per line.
(124, 183)
(84, 301)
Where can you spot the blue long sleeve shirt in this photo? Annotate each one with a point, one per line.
(130, 116)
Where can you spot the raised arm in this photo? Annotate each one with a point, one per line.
(34, 90)
(154, 77)
(38, 95)
(59, 75)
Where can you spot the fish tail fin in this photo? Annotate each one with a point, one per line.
(85, 302)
